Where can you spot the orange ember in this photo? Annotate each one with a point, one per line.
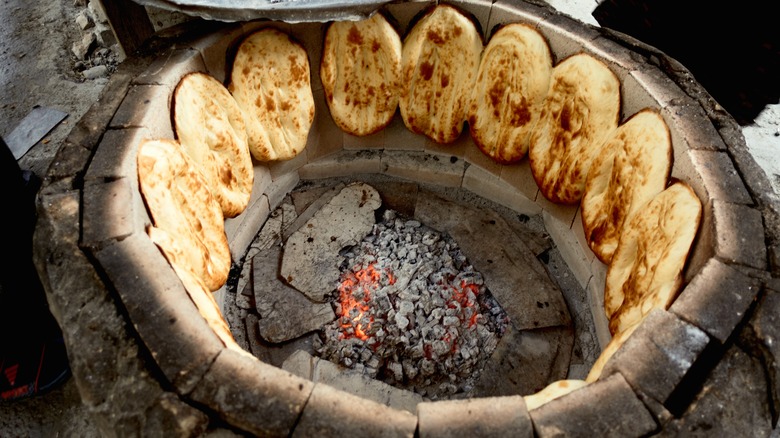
(355, 295)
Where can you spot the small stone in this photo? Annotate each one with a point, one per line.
(82, 47)
(99, 71)
(83, 21)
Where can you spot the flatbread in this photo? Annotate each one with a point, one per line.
(552, 391)
(210, 127)
(514, 75)
(581, 109)
(271, 81)
(208, 309)
(439, 67)
(633, 169)
(188, 225)
(646, 270)
(361, 74)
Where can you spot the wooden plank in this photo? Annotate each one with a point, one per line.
(130, 23)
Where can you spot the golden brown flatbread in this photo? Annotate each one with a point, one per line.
(188, 225)
(208, 309)
(210, 127)
(581, 109)
(646, 270)
(271, 81)
(634, 167)
(551, 392)
(440, 63)
(514, 75)
(361, 74)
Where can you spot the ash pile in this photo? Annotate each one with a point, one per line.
(412, 311)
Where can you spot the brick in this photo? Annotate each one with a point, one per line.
(423, 167)
(658, 85)
(691, 125)
(259, 398)
(168, 323)
(717, 299)
(604, 408)
(374, 141)
(504, 12)
(331, 412)
(344, 163)
(634, 98)
(278, 189)
(566, 36)
(109, 211)
(117, 154)
(615, 54)
(488, 416)
(660, 352)
(732, 233)
(712, 176)
(146, 106)
(281, 168)
(595, 290)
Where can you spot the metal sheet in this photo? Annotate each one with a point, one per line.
(32, 129)
(291, 11)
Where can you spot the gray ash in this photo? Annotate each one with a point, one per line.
(412, 311)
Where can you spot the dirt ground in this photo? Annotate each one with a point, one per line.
(37, 68)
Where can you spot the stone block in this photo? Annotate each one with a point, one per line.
(109, 212)
(566, 36)
(608, 407)
(475, 157)
(578, 260)
(731, 402)
(490, 416)
(717, 299)
(344, 163)
(455, 149)
(712, 176)
(615, 54)
(423, 167)
(761, 335)
(351, 381)
(490, 186)
(660, 352)
(561, 212)
(116, 157)
(506, 11)
(399, 137)
(731, 232)
(146, 106)
(260, 183)
(168, 68)
(658, 85)
(691, 125)
(331, 412)
(167, 321)
(259, 398)
(595, 290)
(69, 161)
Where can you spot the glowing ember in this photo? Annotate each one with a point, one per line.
(412, 311)
(355, 298)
